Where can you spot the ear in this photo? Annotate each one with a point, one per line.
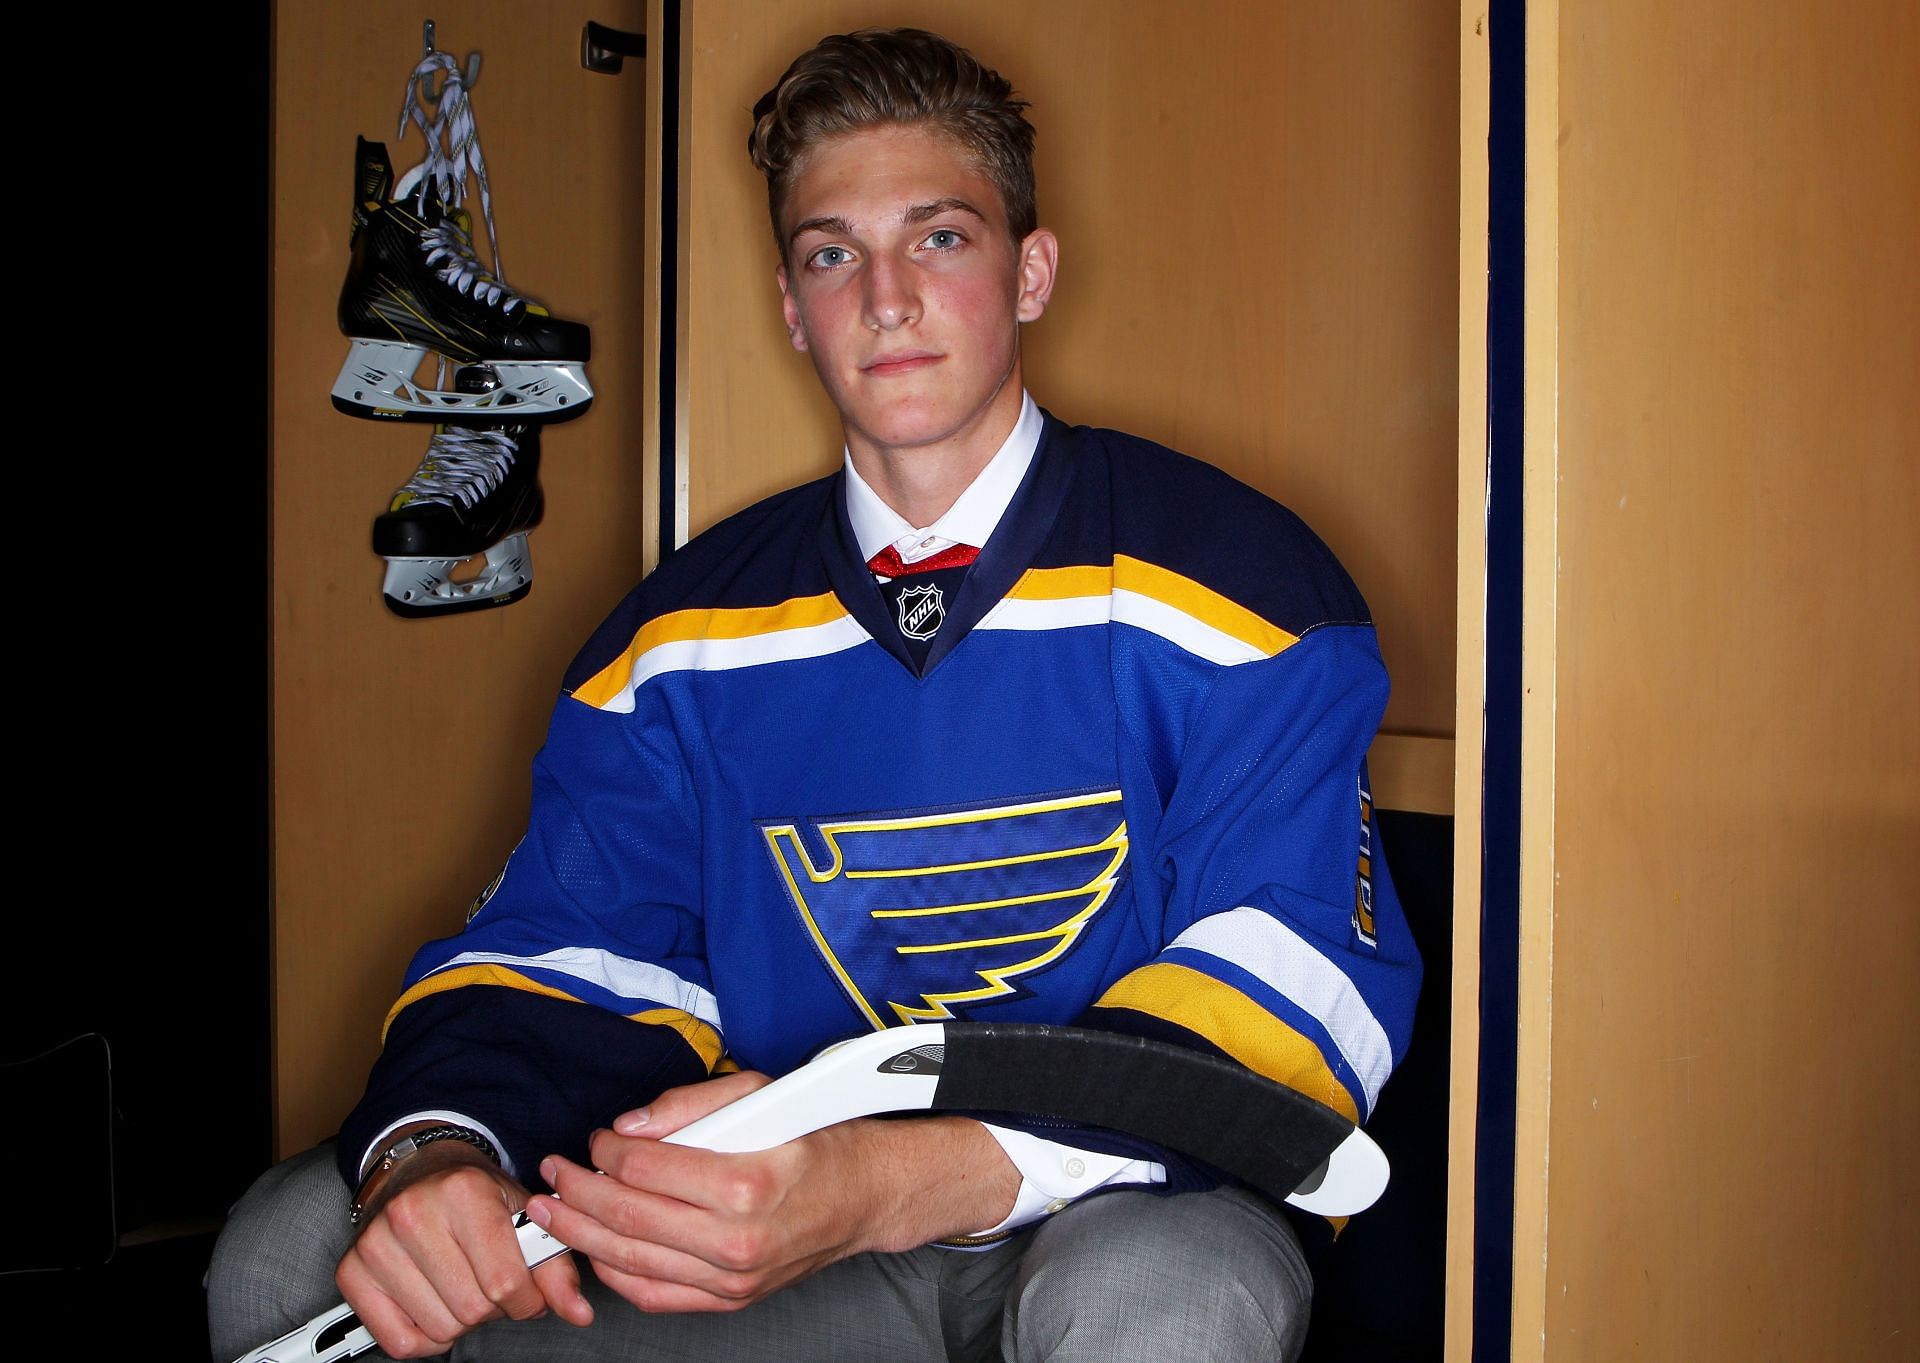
(1039, 265)
(790, 311)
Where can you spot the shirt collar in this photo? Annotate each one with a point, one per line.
(970, 520)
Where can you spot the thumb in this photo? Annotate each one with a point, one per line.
(679, 1107)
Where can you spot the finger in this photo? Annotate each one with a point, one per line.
(678, 1107)
(397, 1333)
(559, 1282)
(635, 1256)
(738, 1184)
(654, 1190)
(397, 1336)
(499, 1271)
(661, 1295)
(454, 1228)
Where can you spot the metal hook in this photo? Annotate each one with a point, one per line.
(428, 95)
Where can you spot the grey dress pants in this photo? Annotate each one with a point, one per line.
(1212, 1277)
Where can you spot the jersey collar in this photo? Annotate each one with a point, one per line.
(1028, 520)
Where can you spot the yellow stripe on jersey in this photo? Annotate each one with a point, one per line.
(1062, 584)
(697, 1034)
(1159, 584)
(1233, 1022)
(684, 626)
(704, 1040)
(1202, 603)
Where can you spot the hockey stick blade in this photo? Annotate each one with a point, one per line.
(1273, 1138)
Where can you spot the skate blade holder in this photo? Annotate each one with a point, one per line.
(418, 588)
(377, 380)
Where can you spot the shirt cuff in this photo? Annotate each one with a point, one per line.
(385, 1138)
(1053, 1175)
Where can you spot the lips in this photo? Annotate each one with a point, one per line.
(900, 362)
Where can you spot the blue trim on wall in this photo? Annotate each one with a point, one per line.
(1500, 825)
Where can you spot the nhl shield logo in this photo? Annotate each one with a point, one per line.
(921, 611)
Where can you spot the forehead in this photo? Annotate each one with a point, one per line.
(871, 176)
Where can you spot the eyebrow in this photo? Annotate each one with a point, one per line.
(840, 227)
(921, 212)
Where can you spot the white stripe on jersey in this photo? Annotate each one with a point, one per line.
(1128, 608)
(1288, 964)
(723, 655)
(639, 981)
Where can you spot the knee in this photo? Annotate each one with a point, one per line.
(272, 1267)
(1134, 1276)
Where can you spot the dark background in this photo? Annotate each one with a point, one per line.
(139, 635)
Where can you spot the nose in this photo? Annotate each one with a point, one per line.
(891, 300)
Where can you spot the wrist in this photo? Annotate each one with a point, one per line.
(932, 1178)
(415, 1150)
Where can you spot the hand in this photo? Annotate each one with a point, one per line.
(438, 1256)
(672, 1228)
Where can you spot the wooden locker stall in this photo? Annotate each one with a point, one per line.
(401, 747)
(1720, 953)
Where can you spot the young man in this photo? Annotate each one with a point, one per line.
(1006, 721)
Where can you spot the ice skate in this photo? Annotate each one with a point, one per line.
(415, 285)
(475, 492)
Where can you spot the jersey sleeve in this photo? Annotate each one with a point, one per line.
(1286, 949)
(580, 986)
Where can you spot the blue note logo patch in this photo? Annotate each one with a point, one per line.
(922, 912)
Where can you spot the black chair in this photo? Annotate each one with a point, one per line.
(1380, 1288)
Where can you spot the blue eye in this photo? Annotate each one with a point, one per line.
(945, 239)
(830, 257)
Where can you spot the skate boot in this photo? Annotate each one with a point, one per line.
(416, 285)
(475, 492)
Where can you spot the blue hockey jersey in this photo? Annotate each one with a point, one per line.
(1126, 788)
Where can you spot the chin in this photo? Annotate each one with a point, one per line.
(924, 419)
(900, 430)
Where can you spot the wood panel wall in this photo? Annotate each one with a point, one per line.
(1724, 929)
(1474, 45)
(401, 749)
(1257, 206)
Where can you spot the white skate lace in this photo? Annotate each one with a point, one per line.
(453, 144)
(450, 250)
(460, 468)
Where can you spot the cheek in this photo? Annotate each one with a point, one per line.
(827, 317)
(982, 308)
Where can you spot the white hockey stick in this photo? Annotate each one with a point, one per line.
(1279, 1141)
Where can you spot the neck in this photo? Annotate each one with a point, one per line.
(920, 483)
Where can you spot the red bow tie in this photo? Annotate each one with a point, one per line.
(887, 562)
